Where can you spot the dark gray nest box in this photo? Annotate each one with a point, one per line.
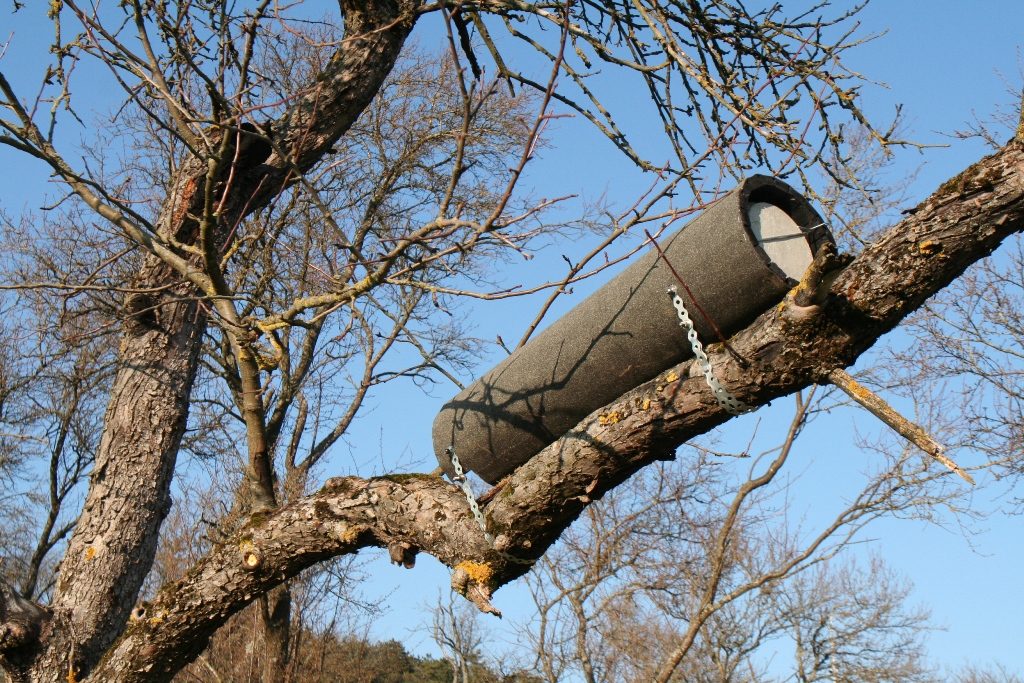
(739, 257)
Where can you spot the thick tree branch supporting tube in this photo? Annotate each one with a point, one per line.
(964, 221)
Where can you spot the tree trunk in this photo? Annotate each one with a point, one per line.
(113, 546)
(276, 612)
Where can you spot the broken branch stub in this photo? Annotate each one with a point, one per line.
(21, 627)
(878, 407)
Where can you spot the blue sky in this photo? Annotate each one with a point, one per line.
(940, 60)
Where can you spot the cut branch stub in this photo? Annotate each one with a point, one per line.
(250, 555)
(823, 271)
(22, 625)
(403, 554)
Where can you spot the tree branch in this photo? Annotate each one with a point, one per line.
(964, 221)
(901, 425)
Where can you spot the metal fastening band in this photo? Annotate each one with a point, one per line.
(730, 403)
(462, 481)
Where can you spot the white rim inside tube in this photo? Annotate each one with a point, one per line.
(781, 238)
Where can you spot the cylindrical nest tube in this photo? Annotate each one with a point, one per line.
(738, 258)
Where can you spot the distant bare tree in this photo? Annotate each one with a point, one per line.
(992, 674)
(55, 365)
(691, 574)
(457, 631)
(860, 204)
(972, 339)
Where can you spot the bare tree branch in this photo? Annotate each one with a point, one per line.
(965, 220)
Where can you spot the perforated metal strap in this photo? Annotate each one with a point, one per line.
(730, 403)
(462, 481)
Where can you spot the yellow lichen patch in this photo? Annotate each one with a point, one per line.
(270, 326)
(669, 378)
(929, 247)
(156, 620)
(859, 390)
(609, 419)
(345, 533)
(801, 286)
(90, 553)
(479, 573)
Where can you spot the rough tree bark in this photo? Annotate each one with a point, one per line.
(276, 614)
(789, 347)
